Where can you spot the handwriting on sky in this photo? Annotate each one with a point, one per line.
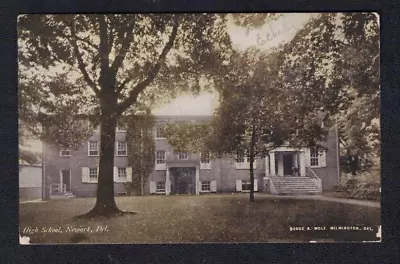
(274, 30)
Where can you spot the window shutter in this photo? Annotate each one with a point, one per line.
(116, 174)
(152, 187)
(322, 159)
(129, 174)
(97, 178)
(213, 186)
(307, 157)
(239, 185)
(85, 174)
(255, 185)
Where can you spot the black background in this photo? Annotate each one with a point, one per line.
(385, 252)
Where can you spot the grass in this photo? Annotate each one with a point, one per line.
(344, 196)
(205, 218)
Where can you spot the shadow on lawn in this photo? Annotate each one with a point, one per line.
(94, 215)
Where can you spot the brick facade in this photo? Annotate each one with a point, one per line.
(223, 171)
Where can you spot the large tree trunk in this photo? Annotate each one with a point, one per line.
(105, 202)
(252, 145)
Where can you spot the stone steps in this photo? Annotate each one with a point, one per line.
(66, 195)
(296, 185)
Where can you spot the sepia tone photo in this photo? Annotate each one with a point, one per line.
(199, 128)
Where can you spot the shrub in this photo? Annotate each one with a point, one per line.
(365, 186)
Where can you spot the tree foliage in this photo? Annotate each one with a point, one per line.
(186, 136)
(47, 116)
(257, 113)
(335, 58)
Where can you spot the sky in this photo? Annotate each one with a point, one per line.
(280, 31)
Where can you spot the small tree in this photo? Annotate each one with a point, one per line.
(257, 115)
(141, 147)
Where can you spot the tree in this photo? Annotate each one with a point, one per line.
(61, 128)
(318, 60)
(141, 147)
(186, 136)
(123, 60)
(257, 113)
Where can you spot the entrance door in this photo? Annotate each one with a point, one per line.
(66, 179)
(184, 181)
(288, 164)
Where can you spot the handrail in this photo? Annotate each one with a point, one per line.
(313, 173)
(61, 188)
(274, 178)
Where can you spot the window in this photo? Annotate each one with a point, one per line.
(93, 172)
(240, 158)
(183, 155)
(246, 186)
(243, 162)
(93, 148)
(205, 161)
(314, 158)
(205, 186)
(122, 173)
(65, 152)
(121, 127)
(205, 158)
(160, 132)
(160, 187)
(160, 157)
(121, 148)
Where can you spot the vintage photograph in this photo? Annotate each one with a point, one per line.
(199, 128)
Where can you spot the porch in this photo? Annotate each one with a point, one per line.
(283, 162)
(287, 171)
(60, 191)
(181, 177)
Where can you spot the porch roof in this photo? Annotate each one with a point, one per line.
(182, 163)
(287, 149)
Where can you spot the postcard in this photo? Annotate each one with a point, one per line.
(199, 128)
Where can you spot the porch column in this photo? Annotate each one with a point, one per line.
(272, 162)
(267, 166)
(295, 161)
(280, 164)
(167, 182)
(302, 164)
(197, 180)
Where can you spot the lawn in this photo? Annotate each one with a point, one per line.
(205, 218)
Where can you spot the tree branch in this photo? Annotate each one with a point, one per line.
(103, 50)
(119, 59)
(87, 42)
(110, 38)
(152, 74)
(81, 64)
(122, 85)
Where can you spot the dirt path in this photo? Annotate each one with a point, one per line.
(332, 199)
